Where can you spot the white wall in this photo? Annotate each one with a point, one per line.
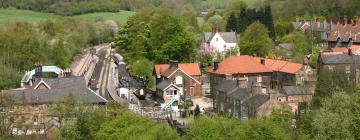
(219, 44)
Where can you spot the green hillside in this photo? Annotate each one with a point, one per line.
(14, 15)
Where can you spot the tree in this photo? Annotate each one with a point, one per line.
(216, 21)
(268, 21)
(255, 40)
(329, 82)
(334, 120)
(231, 23)
(226, 128)
(301, 45)
(128, 125)
(143, 68)
(283, 28)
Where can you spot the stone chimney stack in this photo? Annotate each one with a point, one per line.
(355, 20)
(346, 20)
(216, 65)
(173, 64)
(262, 61)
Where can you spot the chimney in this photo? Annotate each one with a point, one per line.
(346, 20)
(349, 52)
(355, 20)
(173, 64)
(262, 61)
(215, 30)
(241, 82)
(216, 65)
(38, 69)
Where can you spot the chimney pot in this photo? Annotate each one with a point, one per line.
(349, 51)
(216, 65)
(173, 63)
(262, 61)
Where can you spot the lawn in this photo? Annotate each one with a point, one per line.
(13, 15)
(119, 17)
(220, 4)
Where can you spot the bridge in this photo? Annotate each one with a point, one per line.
(29, 74)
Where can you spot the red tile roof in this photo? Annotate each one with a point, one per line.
(345, 32)
(192, 69)
(353, 48)
(247, 64)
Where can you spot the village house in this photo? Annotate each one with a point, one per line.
(293, 95)
(348, 62)
(268, 72)
(43, 94)
(242, 99)
(176, 82)
(345, 34)
(222, 42)
(321, 27)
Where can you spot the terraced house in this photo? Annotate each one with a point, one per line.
(270, 73)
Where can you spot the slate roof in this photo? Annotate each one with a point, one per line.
(59, 89)
(257, 100)
(315, 25)
(353, 48)
(192, 69)
(226, 86)
(336, 58)
(294, 90)
(240, 94)
(245, 64)
(229, 37)
(163, 84)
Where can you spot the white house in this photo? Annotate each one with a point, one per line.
(221, 41)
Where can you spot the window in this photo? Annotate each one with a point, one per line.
(191, 91)
(331, 67)
(217, 39)
(179, 80)
(259, 79)
(347, 69)
(175, 103)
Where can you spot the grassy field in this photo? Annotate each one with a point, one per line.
(120, 17)
(220, 4)
(13, 15)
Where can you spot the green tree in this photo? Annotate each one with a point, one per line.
(334, 120)
(301, 45)
(255, 40)
(131, 126)
(283, 28)
(231, 23)
(143, 68)
(216, 21)
(268, 21)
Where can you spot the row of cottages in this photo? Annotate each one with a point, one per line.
(263, 78)
(33, 116)
(344, 60)
(323, 28)
(222, 42)
(177, 82)
(344, 35)
(269, 72)
(242, 99)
